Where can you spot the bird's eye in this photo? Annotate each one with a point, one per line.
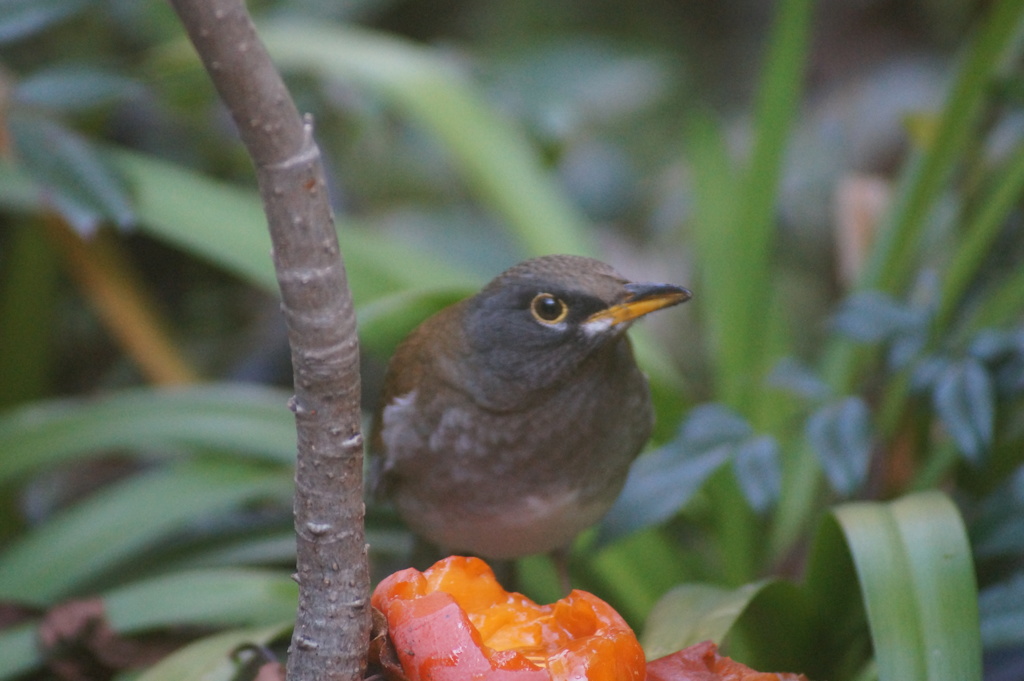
(548, 309)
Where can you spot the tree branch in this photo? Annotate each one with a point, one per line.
(332, 626)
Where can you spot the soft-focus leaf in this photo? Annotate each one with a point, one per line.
(207, 598)
(248, 420)
(789, 374)
(211, 658)
(19, 650)
(663, 481)
(274, 546)
(225, 225)
(30, 292)
(74, 88)
(709, 426)
(990, 52)
(840, 433)
(965, 402)
(917, 579)
(990, 345)
(1009, 376)
(872, 317)
(926, 372)
(384, 322)
(493, 156)
(86, 190)
(659, 484)
(691, 613)
(1002, 613)
(18, 191)
(735, 217)
(23, 18)
(980, 233)
(755, 462)
(780, 629)
(906, 347)
(213, 598)
(996, 528)
(124, 518)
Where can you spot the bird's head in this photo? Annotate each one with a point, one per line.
(537, 322)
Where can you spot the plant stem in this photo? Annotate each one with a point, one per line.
(332, 627)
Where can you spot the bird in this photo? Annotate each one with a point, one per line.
(508, 421)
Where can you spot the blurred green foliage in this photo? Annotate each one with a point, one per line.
(841, 190)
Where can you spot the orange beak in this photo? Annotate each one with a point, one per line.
(643, 299)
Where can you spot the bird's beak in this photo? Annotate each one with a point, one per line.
(642, 299)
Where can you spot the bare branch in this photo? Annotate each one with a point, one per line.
(332, 627)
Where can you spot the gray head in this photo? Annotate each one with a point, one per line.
(534, 325)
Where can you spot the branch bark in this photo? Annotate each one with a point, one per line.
(332, 625)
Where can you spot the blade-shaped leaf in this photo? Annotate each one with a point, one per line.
(709, 426)
(914, 565)
(387, 320)
(124, 518)
(211, 658)
(840, 434)
(872, 317)
(85, 188)
(22, 18)
(659, 484)
(789, 374)
(1002, 613)
(249, 420)
(215, 598)
(691, 613)
(494, 158)
(225, 225)
(202, 598)
(19, 650)
(965, 402)
(996, 528)
(74, 88)
(755, 462)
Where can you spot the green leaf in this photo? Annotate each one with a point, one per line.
(494, 158)
(992, 49)
(755, 462)
(873, 317)
(22, 18)
(691, 613)
(840, 433)
(248, 420)
(226, 225)
(29, 308)
(659, 485)
(211, 658)
(709, 426)
(796, 378)
(735, 216)
(201, 598)
(212, 598)
(18, 650)
(996, 528)
(661, 482)
(116, 523)
(980, 233)
(1002, 613)
(916, 576)
(965, 401)
(74, 88)
(85, 188)
(384, 322)
(19, 192)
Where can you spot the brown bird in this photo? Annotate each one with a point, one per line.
(509, 420)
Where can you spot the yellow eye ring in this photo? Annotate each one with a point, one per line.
(548, 309)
